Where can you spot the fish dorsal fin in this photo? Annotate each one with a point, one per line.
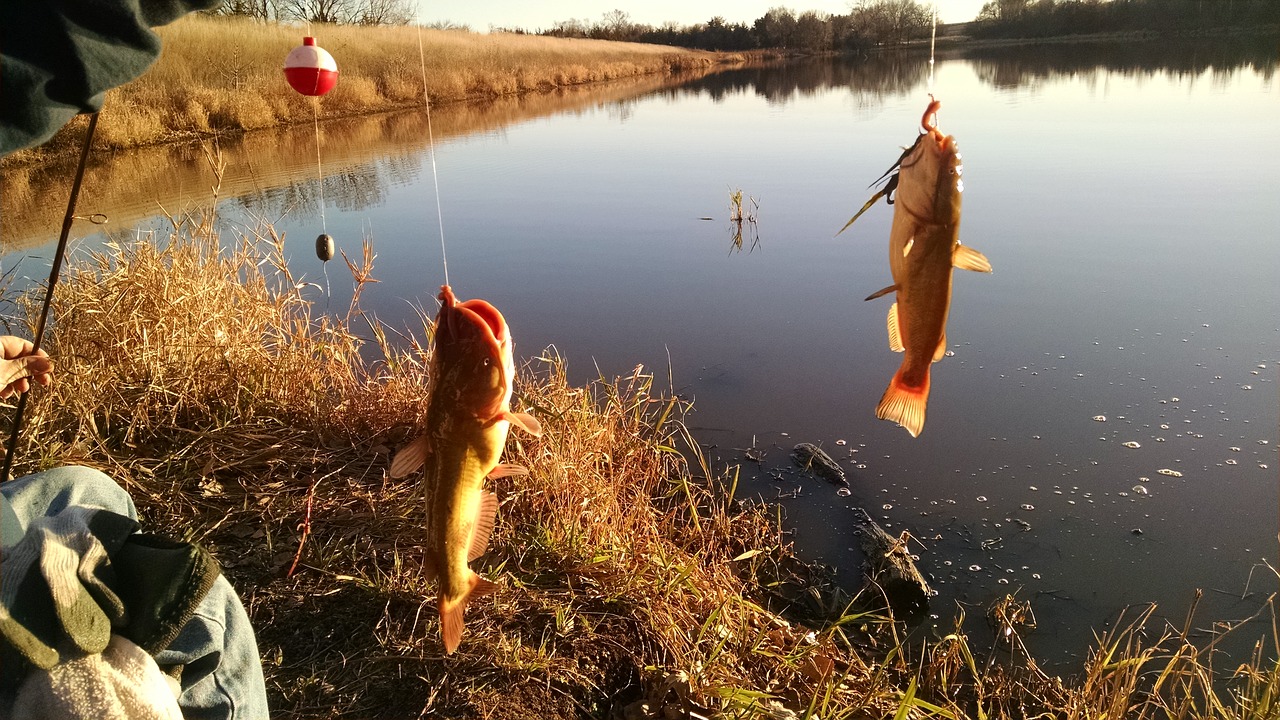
(966, 258)
(410, 457)
(880, 293)
(524, 421)
(486, 513)
(507, 470)
(941, 352)
(895, 337)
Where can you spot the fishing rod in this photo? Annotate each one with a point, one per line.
(54, 272)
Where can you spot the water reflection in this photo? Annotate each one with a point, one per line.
(1011, 67)
(875, 77)
(274, 172)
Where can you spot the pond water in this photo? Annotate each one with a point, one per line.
(1125, 195)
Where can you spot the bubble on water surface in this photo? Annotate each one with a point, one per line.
(1140, 489)
(1028, 507)
(886, 506)
(1100, 418)
(975, 568)
(842, 443)
(1170, 473)
(1232, 462)
(982, 498)
(1132, 444)
(1234, 449)
(844, 492)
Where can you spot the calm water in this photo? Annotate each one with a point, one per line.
(1126, 197)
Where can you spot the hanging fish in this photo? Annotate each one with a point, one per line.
(468, 416)
(924, 245)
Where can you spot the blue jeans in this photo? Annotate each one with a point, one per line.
(222, 673)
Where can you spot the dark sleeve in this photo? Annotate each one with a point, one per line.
(58, 57)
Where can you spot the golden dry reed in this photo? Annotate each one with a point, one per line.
(218, 74)
(196, 370)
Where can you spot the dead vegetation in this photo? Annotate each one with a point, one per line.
(223, 74)
(196, 371)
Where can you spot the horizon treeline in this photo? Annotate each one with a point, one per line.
(1051, 18)
(875, 23)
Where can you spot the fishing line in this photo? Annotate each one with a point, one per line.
(324, 226)
(54, 272)
(933, 36)
(431, 144)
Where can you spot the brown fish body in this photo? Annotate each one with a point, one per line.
(924, 246)
(468, 417)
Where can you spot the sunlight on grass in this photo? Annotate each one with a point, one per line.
(197, 370)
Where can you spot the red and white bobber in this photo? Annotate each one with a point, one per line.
(310, 69)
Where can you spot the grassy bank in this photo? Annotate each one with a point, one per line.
(194, 370)
(225, 75)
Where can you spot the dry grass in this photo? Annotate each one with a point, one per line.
(220, 74)
(193, 370)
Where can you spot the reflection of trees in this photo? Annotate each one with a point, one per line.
(879, 75)
(1016, 66)
(274, 171)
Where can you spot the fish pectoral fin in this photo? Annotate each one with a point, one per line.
(880, 293)
(410, 457)
(507, 470)
(966, 258)
(451, 624)
(941, 352)
(486, 515)
(895, 336)
(524, 421)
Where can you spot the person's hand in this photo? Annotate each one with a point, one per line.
(20, 366)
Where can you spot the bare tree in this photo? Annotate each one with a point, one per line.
(385, 12)
(320, 11)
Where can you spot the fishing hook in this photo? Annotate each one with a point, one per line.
(54, 271)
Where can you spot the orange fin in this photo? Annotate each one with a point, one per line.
(895, 335)
(507, 470)
(966, 258)
(410, 457)
(941, 352)
(485, 516)
(880, 293)
(451, 624)
(525, 422)
(905, 404)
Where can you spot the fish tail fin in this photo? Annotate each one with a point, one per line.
(451, 624)
(904, 403)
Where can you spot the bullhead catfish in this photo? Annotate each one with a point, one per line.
(924, 244)
(468, 416)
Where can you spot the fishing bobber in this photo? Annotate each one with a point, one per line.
(324, 247)
(310, 69)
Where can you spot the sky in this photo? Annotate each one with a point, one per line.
(480, 14)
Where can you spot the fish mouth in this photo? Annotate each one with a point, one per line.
(475, 313)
